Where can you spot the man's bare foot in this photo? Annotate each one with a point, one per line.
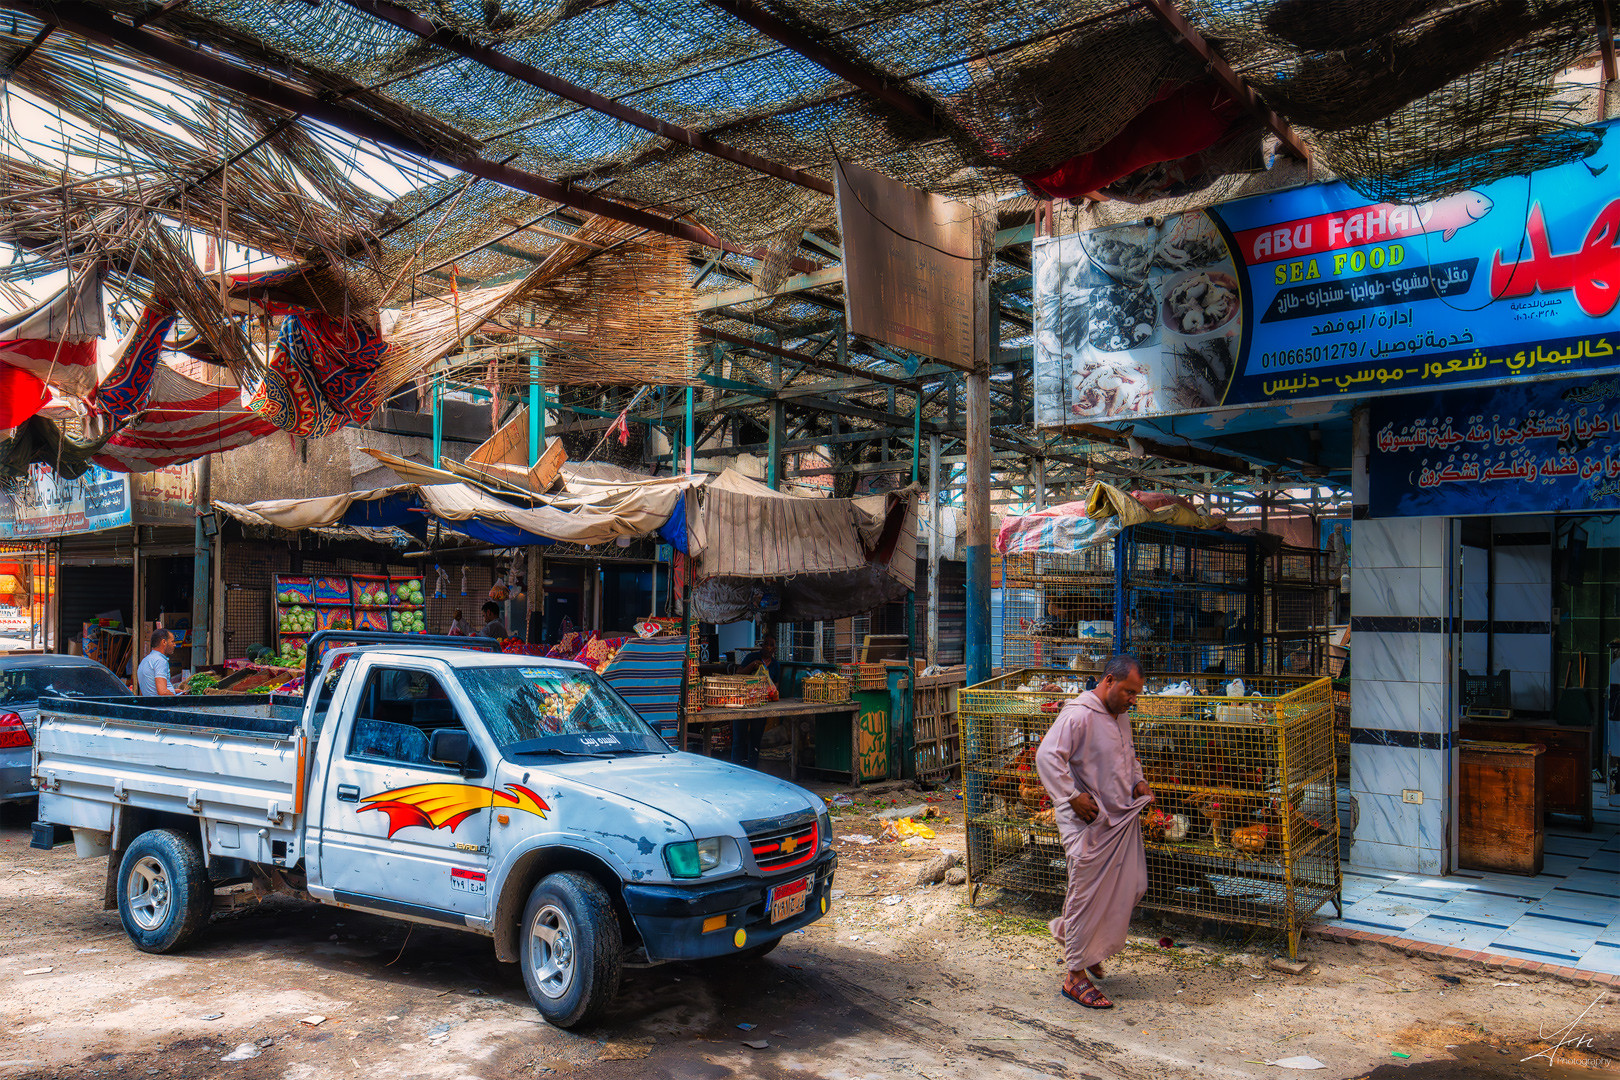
(1096, 971)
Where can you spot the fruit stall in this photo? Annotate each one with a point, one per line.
(305, 604)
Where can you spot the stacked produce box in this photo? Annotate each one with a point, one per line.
(406, 596)
(295, 618)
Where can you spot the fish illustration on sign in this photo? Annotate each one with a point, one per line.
(445, 806)
(1453, 212)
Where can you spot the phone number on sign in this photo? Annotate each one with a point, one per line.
(1312, 354)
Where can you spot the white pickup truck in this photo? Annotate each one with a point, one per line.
(517, 798)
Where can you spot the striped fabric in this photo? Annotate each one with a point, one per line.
(182, 420)
(647, 673)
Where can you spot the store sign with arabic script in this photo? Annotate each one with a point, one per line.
(1532, 447)
(1315, 293)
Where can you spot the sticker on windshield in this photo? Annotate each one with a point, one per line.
(532, 672)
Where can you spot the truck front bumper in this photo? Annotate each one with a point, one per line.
(671, 918)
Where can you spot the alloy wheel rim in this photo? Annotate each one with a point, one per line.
(551, 951)
(149, 893)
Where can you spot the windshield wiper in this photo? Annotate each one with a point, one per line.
(525, 748)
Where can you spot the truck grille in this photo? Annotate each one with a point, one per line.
(783, 849)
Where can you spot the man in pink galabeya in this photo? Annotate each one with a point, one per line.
(1088, 766)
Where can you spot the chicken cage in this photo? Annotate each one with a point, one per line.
(1244, 826)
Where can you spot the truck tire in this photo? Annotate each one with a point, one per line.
(164, 897)
(571, 946)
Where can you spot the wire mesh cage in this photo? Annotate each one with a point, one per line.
(1189, 599)
(1058, 608)
(1244, 827)
(1298, 600)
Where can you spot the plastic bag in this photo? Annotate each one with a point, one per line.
(908, 828)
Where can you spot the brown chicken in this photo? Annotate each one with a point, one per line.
(1022, 791)
(1251, 838)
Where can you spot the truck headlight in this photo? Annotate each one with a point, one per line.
(692, 858)
(824, 822)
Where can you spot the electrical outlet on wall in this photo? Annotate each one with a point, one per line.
(1412, 795)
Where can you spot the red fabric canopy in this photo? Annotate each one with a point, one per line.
(1181, 121)
(22, 394)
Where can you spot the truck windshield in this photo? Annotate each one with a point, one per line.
(560, 710)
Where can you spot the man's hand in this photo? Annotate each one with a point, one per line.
(1084, 805)
(1143, 789)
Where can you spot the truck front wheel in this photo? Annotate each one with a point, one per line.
(571, 946)
(164, 897)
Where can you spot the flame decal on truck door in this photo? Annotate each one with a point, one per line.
(444, 806)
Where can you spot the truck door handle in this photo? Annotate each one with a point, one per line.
(348, 793)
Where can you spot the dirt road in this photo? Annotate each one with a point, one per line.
(923, 986)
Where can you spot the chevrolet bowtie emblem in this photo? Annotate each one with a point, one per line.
(788, 845)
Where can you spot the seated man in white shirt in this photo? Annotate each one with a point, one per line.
(152, 676)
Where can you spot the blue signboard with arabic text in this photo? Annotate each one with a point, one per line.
(1532, 447)
(1316, 293)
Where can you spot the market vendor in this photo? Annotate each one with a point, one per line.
(493, 627)
(152, 677)
(763, 659)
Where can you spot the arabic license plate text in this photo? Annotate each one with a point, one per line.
(788, 900)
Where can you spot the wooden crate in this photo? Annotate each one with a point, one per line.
(1499, 810)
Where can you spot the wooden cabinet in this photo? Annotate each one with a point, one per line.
(1567, 764)
(1500, 807)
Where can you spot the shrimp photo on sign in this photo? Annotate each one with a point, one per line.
(1134, 321)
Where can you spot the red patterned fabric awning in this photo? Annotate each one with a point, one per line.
(182, 420)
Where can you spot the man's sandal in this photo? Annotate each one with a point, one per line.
(1088, 995)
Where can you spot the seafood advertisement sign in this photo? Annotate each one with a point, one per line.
(1528, 447)
(1317, 293)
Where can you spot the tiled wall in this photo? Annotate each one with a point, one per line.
(1401, 697)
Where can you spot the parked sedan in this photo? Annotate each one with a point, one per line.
(23, 681)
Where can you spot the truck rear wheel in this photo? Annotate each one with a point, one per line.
(164, 897)
(571, 946)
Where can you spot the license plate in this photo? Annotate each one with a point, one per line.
(788, 900)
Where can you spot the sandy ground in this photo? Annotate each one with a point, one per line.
(923, 986)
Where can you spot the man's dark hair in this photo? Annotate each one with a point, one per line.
(491, 608)
(1120, 667)
(159, 636)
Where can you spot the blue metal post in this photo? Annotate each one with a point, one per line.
(691, 430)
(438, 421)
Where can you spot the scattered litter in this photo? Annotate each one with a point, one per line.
(837, 894)
(87, 952)
(840, 800)
(438, 1032)
(475, 992)
(909, 828)
(901, 813)
(757, 1044)
(1449, 980)
(265, 1043)
(858, 838)
(39, 971)
(1256, 976)
(244, 1052)
(1498, 984)
(1165, 943)
(386, 1019)
(914, 842)
(780, 1034)
(745, 1027)
(313, 1021)
(1029, 967)
(893, 900)
(213, 1016)
(1297, 1063)
(1398, 1054)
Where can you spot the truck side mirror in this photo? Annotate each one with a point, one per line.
(450, 746)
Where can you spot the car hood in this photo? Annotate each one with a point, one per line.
(712, 798)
